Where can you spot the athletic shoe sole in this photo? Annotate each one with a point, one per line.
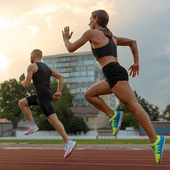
(71, 150)
(33, 131)
(120, 122)
(162, 149)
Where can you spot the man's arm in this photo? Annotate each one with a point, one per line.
(60, 78)
(30, 71)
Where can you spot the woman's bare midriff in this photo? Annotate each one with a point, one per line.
(106, 60)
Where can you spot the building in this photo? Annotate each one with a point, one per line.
(160, 127)
(93, 117)
(80, 71)
(22, 125)
(5, 125)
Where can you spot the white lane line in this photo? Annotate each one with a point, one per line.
(91, 164)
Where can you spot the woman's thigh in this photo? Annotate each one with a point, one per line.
(124, 93)
(100, 88)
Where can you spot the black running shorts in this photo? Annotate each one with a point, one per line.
(45, 105)
(114, 72)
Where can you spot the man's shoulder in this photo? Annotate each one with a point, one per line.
(32, 66)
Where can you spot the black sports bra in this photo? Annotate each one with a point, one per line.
(109, 49)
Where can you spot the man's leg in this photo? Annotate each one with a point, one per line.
(69, 144)
(53, 119)
(24, 106)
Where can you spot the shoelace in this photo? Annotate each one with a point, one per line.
(66, 146)
(156, 149)
(113, 122)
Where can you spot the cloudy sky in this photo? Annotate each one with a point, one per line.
(26, 25)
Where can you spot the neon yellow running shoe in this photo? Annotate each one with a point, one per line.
(116, 121)
(158, 147)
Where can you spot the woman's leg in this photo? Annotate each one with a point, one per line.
(124, 93)
(92, 96)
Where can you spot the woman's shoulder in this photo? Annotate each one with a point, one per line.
(114, 38)
(89, 34)
(90, 31)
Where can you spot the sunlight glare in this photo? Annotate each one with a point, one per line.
(4, 62)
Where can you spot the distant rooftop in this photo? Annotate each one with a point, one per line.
(67, 55)
(85, 111)
(4, 120)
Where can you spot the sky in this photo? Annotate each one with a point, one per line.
(38, 24)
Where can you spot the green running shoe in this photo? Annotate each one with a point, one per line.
(116, 121)
(158, 147)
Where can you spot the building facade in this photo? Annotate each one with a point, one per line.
(94, 118)
(81, 71)
(5, 125)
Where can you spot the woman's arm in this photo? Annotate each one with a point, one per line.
(133, 46)
(71, 47)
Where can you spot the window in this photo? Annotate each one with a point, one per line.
(88, 62)
(86, 119)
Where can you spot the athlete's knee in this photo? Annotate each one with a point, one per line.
(87, 95)
(132, 106)
(21, 103)
(52, 119)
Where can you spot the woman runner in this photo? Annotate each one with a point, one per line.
(104, 48)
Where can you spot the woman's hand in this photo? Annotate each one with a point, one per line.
(134, 70)
(66, 34)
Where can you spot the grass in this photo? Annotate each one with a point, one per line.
(82, 141)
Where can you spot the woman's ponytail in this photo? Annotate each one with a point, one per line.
(107, 32)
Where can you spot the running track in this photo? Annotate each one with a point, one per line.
(52, 159)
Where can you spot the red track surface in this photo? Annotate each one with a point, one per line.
(51, 159)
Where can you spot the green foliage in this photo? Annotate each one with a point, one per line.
(11, 92)
(153, 112)
(43, 123)
(166, 113)
(64, 113)
(78, 125)
(129, 120)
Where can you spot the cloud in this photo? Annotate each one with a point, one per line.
(48, 20)
(4, 63)
(38, 24)
(42, 10)
(34, 30)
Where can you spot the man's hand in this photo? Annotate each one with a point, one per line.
(22, 77)
(57, 96)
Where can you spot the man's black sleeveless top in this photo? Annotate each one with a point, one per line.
(41, 80)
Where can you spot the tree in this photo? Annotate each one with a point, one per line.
(129, 120)
(64, 113)
(79, 126)
(166, 113)
(10, 93)
(152, 111)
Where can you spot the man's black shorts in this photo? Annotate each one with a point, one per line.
(45, 105)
